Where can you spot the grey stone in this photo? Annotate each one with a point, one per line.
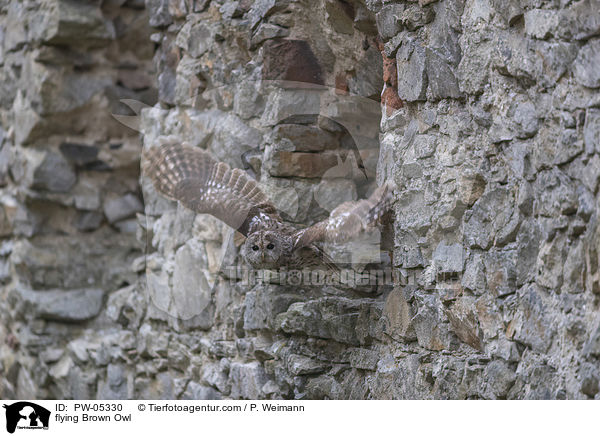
(264, 303)
(591, 131)
(464, 322)
(592, 345)
(217, 375)
(526, 118)
(388, 20)
(498, 378)
(500, 271)
(569, 146)
(196, 391)
(28, 123)
(491, 143)
(389, 373)
(232, 9)
(532, 324)
(412, 71)
(302, 365)
(573, 269)
(474, 275)
(25, 384)
(79, 349)
(373, 5)
(62, 91)
(555, 194)
(188, 85)
(586, 203)
(557, 58)
(340, 16)
(116, 385)
(364, 359)
(328, 317)
(364, 20)
(397, 315)
(513, 56)
(550, 263)
(125, 306)
(473, 70)
(304, 138)
(81, 384)
(88, 220)
(16, 34)
(116, 209)
(529, 239)
(580, 20)
(510, 10)
(440, 76)
(54, 174)
(283, 104)
(61, 368)
(415, 16)
(367, 81)
(160, 387)
(330, 193)
(52, 355)
(58, 305)
(590, 176)
(127, 226)
(589, 379)
(196, 38)
(268, 31)
(585, 68)
(159, 13)
(191, 295)
(490, 214)
(232, 137)
(74, 21)
(448, 259)
(247, 380)
(79, 154)
(167, 86)
(391, 47)
(541, 23)
(259, 10)
(431, 331)
(248, 100)
(471, 185)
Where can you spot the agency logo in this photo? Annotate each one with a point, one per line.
(26, 415)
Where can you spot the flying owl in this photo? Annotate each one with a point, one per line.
(192, 177)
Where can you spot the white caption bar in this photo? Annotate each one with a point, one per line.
(156, 417)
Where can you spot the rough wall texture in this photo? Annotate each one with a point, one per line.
(69, 174)
(485, 115)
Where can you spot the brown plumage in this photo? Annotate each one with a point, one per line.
(191, 176)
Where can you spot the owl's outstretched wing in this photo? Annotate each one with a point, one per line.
(348, 219)
(192, 177)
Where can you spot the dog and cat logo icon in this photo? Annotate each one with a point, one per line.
(26, 415)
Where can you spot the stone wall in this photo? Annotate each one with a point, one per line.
(485, 116)
(69, 187)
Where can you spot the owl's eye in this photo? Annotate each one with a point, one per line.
(270, 247)
(255, 247)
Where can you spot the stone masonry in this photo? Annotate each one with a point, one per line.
(483, 114)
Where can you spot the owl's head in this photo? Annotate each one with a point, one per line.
(266, 249)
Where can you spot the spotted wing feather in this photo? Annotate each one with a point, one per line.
(190, 176)
(348, 219)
